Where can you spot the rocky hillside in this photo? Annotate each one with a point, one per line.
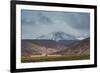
(50, 47)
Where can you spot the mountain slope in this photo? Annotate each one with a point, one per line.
(30, 47)
(51, 47)
(83, 47)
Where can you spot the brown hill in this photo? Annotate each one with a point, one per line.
(83, 47)
(50, 47)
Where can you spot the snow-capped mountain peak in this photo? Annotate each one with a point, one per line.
(57, 36)
(80, 38)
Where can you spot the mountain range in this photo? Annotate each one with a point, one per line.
(51, 47)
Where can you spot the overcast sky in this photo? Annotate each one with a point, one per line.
(36, 23)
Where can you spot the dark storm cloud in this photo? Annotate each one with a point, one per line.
(80, 20)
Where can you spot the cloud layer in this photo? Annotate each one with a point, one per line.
(36, 23)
